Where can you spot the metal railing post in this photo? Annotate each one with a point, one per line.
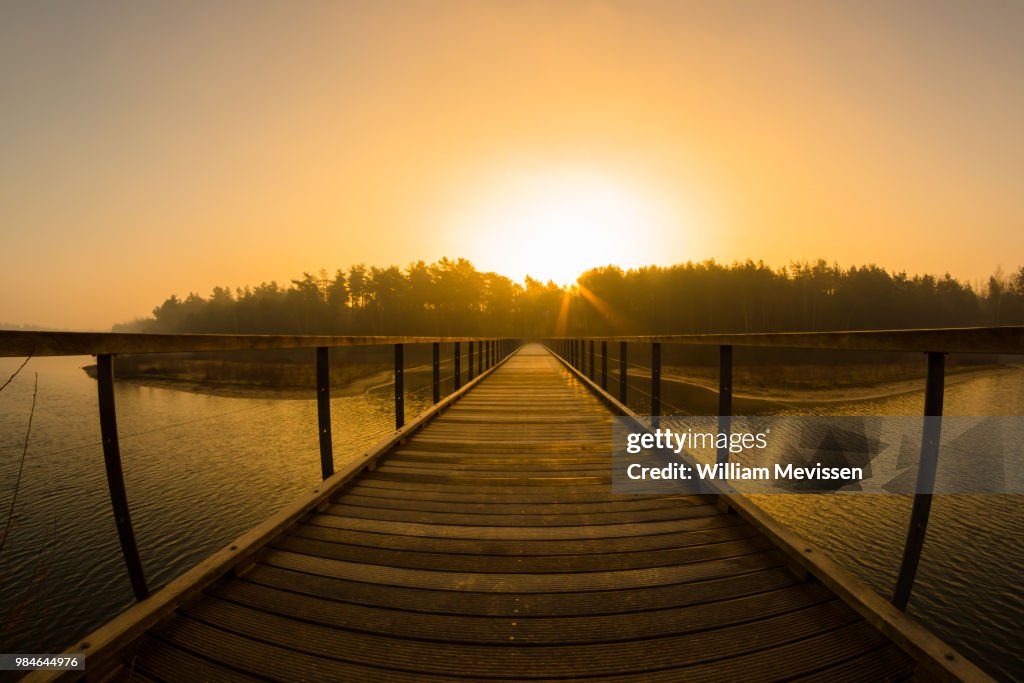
(323, 410)
(399, 385)
(656, 379)
(926, 467)
(724, 398)
(623, 373)
(456, 354)
(604, 365)
(115, 475)
(436, 372)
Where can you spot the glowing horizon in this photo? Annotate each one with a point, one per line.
(556, 223)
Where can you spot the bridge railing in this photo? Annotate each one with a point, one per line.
(478, 353)
(935, 344)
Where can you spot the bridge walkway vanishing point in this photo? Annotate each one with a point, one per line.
(489, 546)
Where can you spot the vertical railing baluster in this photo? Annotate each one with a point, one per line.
(480, 357)
(926, 468)
(456, 354)
(623, 373)
(655, 379)
(436, 372)
(399, 385)
(591, 373)
(115, 475)
(724, 398)
(604, 365)
(323, 410)
(469, 361)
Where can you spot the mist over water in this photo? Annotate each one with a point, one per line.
(200, 470)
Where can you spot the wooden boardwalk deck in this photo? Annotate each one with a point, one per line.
(489, 546)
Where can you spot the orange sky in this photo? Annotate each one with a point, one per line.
(157, 148)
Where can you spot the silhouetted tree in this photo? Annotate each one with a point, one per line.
(451, 297)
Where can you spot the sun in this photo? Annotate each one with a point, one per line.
(555, 224)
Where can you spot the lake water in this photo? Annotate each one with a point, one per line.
(200, 470)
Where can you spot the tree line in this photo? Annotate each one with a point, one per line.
(452, 297)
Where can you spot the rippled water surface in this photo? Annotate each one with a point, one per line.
(200, 470)
(970, 583)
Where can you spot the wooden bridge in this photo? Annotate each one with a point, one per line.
(482, 542)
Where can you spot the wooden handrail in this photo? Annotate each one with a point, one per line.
(31, 343)
(1009, 339)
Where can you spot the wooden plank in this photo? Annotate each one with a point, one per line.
(536, 630)
(887, 663)
(481, 484)
(524, 583)
(158, 660)
(518, 507)
(714, 530)
(523, 564)
(520, 533)
(484, 661)
(502, 519)
(442, 493)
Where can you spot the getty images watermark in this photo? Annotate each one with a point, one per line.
(803, 454)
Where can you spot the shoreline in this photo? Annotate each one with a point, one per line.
(844, 394)
(356, 387)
